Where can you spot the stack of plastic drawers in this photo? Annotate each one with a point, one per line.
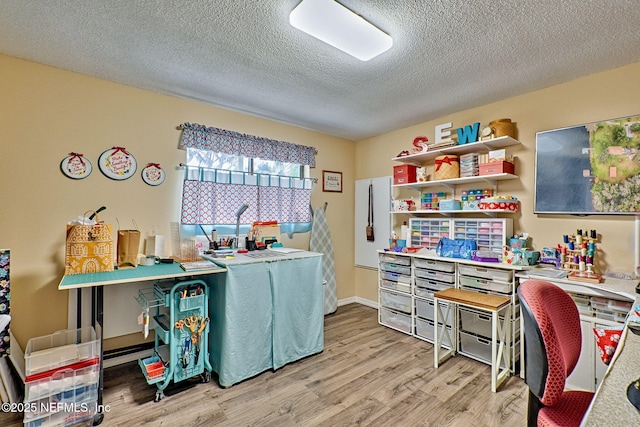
(427, 232)
(62, 372)
(395, 291)
(431, 276)
(475, 325)
(491, 234)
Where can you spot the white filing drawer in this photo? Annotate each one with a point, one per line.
(486, 284)
(480, 348)
(396, 320)
(425, 329)
(395, 268)
(426, 287)
(395, 277)
(395, 286)
(447, 267)
(394, 258)
(486, 273)
(479, 322)
(425, 308)
(435, 275)
(395, 300)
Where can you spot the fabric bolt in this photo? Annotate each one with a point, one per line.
(320, 241)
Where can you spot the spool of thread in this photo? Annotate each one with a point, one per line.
(594, 234)
(579, 239)
(583, 251)
(590, 260)
(592, 246)
(582, 266)
(565, 238)
(571, 246)
(575, 259)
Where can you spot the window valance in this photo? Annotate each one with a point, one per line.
(239, 144)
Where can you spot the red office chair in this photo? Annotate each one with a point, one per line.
(552, 343)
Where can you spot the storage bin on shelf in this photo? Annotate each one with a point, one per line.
(446, 167)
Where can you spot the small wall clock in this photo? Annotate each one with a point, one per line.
(117, 163)
(76, 166)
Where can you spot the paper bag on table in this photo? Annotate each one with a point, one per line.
(128, 245)
(89, 246)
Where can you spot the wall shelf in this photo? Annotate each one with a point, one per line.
(487, 145)
(487, 212)
(491, 179)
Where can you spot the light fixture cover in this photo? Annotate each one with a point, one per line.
(336, 25)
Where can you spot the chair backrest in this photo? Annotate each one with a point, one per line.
(553, 338)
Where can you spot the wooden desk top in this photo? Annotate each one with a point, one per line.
(476, 299)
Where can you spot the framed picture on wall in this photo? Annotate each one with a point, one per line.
(332, 181)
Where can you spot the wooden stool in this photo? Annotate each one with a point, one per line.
(500, 331)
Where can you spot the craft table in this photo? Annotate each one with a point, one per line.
(610, 405)
(267, 310)
(500, 331)
(96, 281)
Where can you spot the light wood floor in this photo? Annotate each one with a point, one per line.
(367, 375)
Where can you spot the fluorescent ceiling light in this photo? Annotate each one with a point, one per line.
(336, 25)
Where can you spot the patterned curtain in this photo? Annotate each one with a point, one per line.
(206, 202)
(239, 144)
(5, 301)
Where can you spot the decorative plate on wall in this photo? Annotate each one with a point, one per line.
(76, 166)
(153, 174)
(117, 163)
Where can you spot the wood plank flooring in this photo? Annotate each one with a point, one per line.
(367, 375)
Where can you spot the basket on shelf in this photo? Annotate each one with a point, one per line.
(446, 167)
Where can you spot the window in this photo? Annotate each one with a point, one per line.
(225, 170)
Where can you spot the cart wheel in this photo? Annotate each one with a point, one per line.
(206, 376)
(97, 419)
(159, 396)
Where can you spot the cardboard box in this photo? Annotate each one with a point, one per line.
(404, 174)
(493, 168)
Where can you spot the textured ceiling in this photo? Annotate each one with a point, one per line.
(242, 55)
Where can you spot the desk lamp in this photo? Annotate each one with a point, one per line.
(238, 214)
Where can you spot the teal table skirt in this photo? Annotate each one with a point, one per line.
(265, 315)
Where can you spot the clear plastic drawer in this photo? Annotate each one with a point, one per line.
(447, 267)
(396, 320)
(486, 273)
(435, 275)
(396, 301)
(489, 285)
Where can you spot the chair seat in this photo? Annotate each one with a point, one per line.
(568, 412)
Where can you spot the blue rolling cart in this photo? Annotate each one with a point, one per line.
(178, 313)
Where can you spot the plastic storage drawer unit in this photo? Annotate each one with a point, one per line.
(425, 287)
(395, 320)
(479, 348)
(486, 284)
(486, 273)
(435, 275)
(395, 268)
(395, 286)
(395, 301)
(447, 267)
(394, 258)
(479, 322)
(424, 329)
(425, 308)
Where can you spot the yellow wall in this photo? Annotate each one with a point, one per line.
(594, 98)
(47, 112)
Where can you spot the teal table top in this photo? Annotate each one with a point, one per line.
(139, 274)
